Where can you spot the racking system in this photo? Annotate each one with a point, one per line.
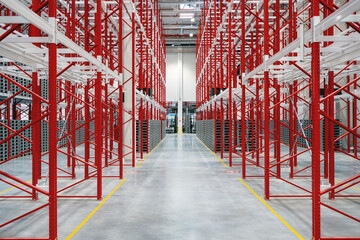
(76, 79)
(275, 78)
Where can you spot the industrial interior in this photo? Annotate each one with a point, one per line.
(180, 119)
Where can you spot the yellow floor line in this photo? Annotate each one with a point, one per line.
(150, 153)
(272, 210)
(348, 185)
(12, 188)
(93, 212)
(212, 152)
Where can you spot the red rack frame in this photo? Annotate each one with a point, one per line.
(263, 60)
(87, 73)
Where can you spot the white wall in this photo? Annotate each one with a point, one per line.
(172, 77)
(188, 76)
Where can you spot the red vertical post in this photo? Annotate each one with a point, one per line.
(36, 133)
(72, 97)
(243, 25)
(98, 103)
(291, 13)
(295, 87)
(258, 123)
(266, 134)
(222, 127)
(106, 125)
(141, 86)
(257, 38)
(68, 122)
(355, 114)
(262, 132)
(277, 26)
(73, 20)
(120, 103)
(52, 126)
(243, 130)
(86, 130)
(133, 80)
(243, 96)
(111, 134)
(73, 134)
(120, 42)
(291, 130)
(252, 127)
(216, 85)
(316, 138)
(120, 91)
(327, 140)
(87, 99)
(348, 117)
(215, 122)
(8, 115)
(229, 75)
(35, 115)
(147, 126)
(120, 123)
(277, 126)
(141, 122)
(106, 39)
(331, 137)
(266, 104)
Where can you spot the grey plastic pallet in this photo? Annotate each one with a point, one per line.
(152, 135)
(19, 144)
(205, 131)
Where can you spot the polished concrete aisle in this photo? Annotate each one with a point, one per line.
(181, 191)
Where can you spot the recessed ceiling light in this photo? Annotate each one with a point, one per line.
(186, 15)
(191, 34)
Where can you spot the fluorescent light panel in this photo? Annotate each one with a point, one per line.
(186, 15)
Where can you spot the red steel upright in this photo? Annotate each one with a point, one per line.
(53, 234)
(296, 95)
(73, 98)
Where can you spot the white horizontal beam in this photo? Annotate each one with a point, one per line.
(28, 14)
(351, 18)
(13, 19)
(26, 40)
(325, 24)
(350, 38)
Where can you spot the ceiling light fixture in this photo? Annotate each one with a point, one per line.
(191, 34)
(186, 15)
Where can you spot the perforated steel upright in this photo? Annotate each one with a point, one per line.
(279, 100)
(82, 78)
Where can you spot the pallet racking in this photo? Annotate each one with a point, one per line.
(274, 68)
(73, 78)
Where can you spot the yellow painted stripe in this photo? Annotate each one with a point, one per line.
(348, 185)
(93, 212)
(212, 152)
(150, 153)
(12, 188)
(272, 210)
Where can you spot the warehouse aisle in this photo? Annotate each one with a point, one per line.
(181, 191)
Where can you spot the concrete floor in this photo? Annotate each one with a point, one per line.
(181, 191)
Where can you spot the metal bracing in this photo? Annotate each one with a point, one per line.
(68, 74)
(277, 77)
